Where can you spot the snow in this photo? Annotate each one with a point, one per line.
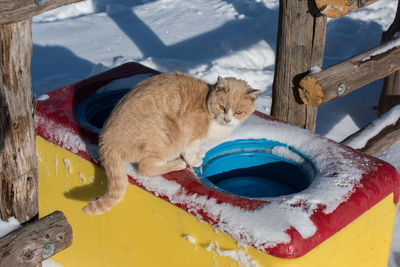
(43, 97)
(315, 69)
(8, 226)
(205, 39)
(190, 238)
(391, 44)
(387, 119)
(282, 212)
(238, 255)
(50, 263)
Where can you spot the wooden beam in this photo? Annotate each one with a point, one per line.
(349, 75)
(380, 142)
(300, 45)
(18, 165)
(339, 8)
(17, 10)
(36, 241)
(390, 95)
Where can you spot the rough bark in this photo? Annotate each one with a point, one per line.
(339, 8)
(380, 142)
(390, 95)
(36, 241)
(349, 75)
(18, 166)
(17, 10)
(300, 46)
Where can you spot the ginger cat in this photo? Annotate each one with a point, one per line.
(163, 124)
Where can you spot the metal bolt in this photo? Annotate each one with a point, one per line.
(48, 250)
(341, 88)
(40, 2)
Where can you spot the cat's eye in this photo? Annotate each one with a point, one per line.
(221, 107)
(239, 112)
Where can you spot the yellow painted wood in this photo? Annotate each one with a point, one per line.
(144, 230)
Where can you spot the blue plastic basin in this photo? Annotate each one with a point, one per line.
(252, 168)
(94, 110)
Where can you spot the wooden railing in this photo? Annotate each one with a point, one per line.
(301, 39)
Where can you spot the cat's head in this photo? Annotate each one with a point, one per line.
(231, 101)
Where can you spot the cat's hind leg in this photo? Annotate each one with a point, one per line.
(153, 166)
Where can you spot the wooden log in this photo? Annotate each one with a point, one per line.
(380, 142)
(339, 8)
(18, 165)
(36, 241)
(300, 45)
(349, 75)
(390, 95)
(17, 10)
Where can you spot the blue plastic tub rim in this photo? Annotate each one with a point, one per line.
(252, 168)
(94, 110)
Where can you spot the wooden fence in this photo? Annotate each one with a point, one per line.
(301, 38)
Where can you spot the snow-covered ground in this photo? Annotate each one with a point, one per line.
(206, 39)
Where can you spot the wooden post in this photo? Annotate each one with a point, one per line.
(349, 75)
(17, 10)
(300, 46)
(18, 166)
(339, 8)
(36, 241)
(390, 95)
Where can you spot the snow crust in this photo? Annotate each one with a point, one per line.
(8, 226)
(238, 255)
(335, 180)
(43, 97)
(50, 263)
(315, 69)
(67, 138)
(389, 45)
(190, 238)
(387, 119)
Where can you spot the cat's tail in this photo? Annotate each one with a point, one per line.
(117, 183)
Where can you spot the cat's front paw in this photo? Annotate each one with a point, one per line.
(193, 159)
(196, 163)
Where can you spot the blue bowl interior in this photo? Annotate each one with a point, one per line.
(94, 110)
(249, 168)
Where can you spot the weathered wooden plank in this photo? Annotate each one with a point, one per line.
(18, 166)
(339, 8)
(349, 75)
(390, 95)
(300, 45)
(17, 10)
(380, 142)
(36, 241)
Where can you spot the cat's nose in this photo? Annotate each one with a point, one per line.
(227, 120)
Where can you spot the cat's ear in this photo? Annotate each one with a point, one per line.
(221, 85)
(252, 94)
